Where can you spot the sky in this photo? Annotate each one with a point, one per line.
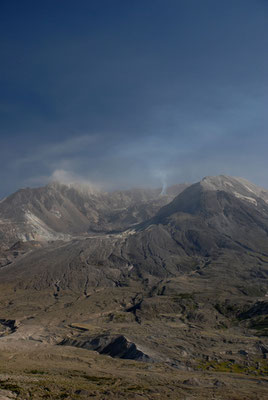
(127, 93)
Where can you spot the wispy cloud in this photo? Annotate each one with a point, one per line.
(57, 151)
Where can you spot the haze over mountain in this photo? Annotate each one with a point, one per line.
(58, 210)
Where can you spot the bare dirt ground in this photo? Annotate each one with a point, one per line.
(190, 360)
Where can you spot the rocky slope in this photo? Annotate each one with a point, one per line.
(183, 285)
(58, 212)
(215, 221)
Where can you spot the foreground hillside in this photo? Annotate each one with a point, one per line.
(136, 295)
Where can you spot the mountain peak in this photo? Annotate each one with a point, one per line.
(221, 182)
(239, 187)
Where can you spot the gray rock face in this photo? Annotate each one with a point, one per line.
(192, 382)
(259, 309)
(7, 326)
(118, 347)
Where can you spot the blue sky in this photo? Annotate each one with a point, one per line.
(132, 93)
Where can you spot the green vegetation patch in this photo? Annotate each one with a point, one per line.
(36, 372)
(5, 385)
(180, 296)
(100, 380)
(258, 368)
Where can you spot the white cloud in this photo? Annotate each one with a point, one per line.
(67, 178)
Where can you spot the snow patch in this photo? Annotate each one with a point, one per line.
(228, 184)
(249, 199)
(248, 188)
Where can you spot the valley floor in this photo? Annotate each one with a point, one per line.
(38, 371)
(188, 360)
